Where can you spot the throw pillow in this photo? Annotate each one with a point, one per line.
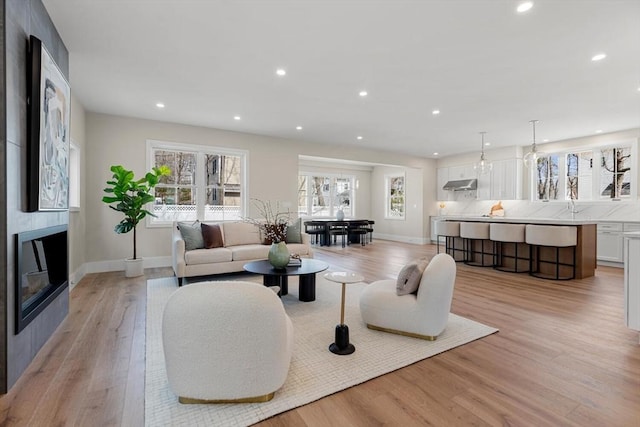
(410, 275)
(191, 234)
(294, 233)
(212, 236)
(240, 233)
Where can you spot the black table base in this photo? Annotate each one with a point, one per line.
(307, 288)
(342, 345)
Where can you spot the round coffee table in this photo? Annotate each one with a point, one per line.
(278, 277)
(342, 346)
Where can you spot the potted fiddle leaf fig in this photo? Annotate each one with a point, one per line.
(129, 195)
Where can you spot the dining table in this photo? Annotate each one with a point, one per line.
(324, 224)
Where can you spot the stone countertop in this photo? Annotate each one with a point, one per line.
(506, 219)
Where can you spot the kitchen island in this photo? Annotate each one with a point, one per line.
(586, 237)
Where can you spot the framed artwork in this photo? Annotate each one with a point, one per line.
(395, 196)
(49, 105)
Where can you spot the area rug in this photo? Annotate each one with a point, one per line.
(315, 372)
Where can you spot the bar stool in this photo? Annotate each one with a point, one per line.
(501, 235)
(471, 232)
(450, 230)
(553, 237)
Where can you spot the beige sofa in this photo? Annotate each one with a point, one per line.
(242, 244)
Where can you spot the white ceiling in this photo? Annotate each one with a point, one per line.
(486, 67)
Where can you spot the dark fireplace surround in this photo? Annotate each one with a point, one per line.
(42, 271)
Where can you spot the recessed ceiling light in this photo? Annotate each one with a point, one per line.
(436, 153)
(160, 105)
(599, 57)
(363, 93)
(359, 137)
(435, 112)
(599, 131)
(236, 117)
(524, 6)
(281, 72)
(487, 144)
(545, 140)
(298, 127)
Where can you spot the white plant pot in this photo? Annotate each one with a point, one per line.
(133, 267)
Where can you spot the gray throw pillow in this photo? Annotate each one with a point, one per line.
(410, 275)
(192, 235)
(294, 233)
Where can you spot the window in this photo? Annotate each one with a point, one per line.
(322, 195)
(206, 183)
(615, 173)
(547, 178)
(602, 173)
(395, 197)
(579, 180)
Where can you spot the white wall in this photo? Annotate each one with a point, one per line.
(414, 209)
(273, 171)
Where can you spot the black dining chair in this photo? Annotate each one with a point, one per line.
(315, 229)
(338, 228)
(358, 229)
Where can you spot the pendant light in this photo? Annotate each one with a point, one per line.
(531, 158)
(483, 166)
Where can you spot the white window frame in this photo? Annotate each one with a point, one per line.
(200, 185)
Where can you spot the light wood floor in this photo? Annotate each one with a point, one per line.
(562, 357)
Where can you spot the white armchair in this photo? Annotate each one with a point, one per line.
(226, 342)
(422, 315)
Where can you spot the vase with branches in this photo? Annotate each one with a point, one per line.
(273, 223)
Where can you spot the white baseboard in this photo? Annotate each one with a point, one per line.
(114, 265)
(610, 263)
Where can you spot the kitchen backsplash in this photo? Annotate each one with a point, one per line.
(604, 210)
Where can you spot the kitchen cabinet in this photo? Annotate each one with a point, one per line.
(632, 280)
(506, 180)
(610, 241)
(434, 237)
(484, 186)
(462, 172)
(442, 178)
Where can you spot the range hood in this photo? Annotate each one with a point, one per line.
(461, 185)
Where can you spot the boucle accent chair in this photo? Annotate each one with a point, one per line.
(226, 342)
(421, 315)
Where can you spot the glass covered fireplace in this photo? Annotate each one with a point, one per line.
(42, 271)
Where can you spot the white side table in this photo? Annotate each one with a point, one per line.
(341, 345)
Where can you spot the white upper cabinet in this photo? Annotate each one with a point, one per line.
(506, 180)
(484, 186)
(461, 172)
(443, 177)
